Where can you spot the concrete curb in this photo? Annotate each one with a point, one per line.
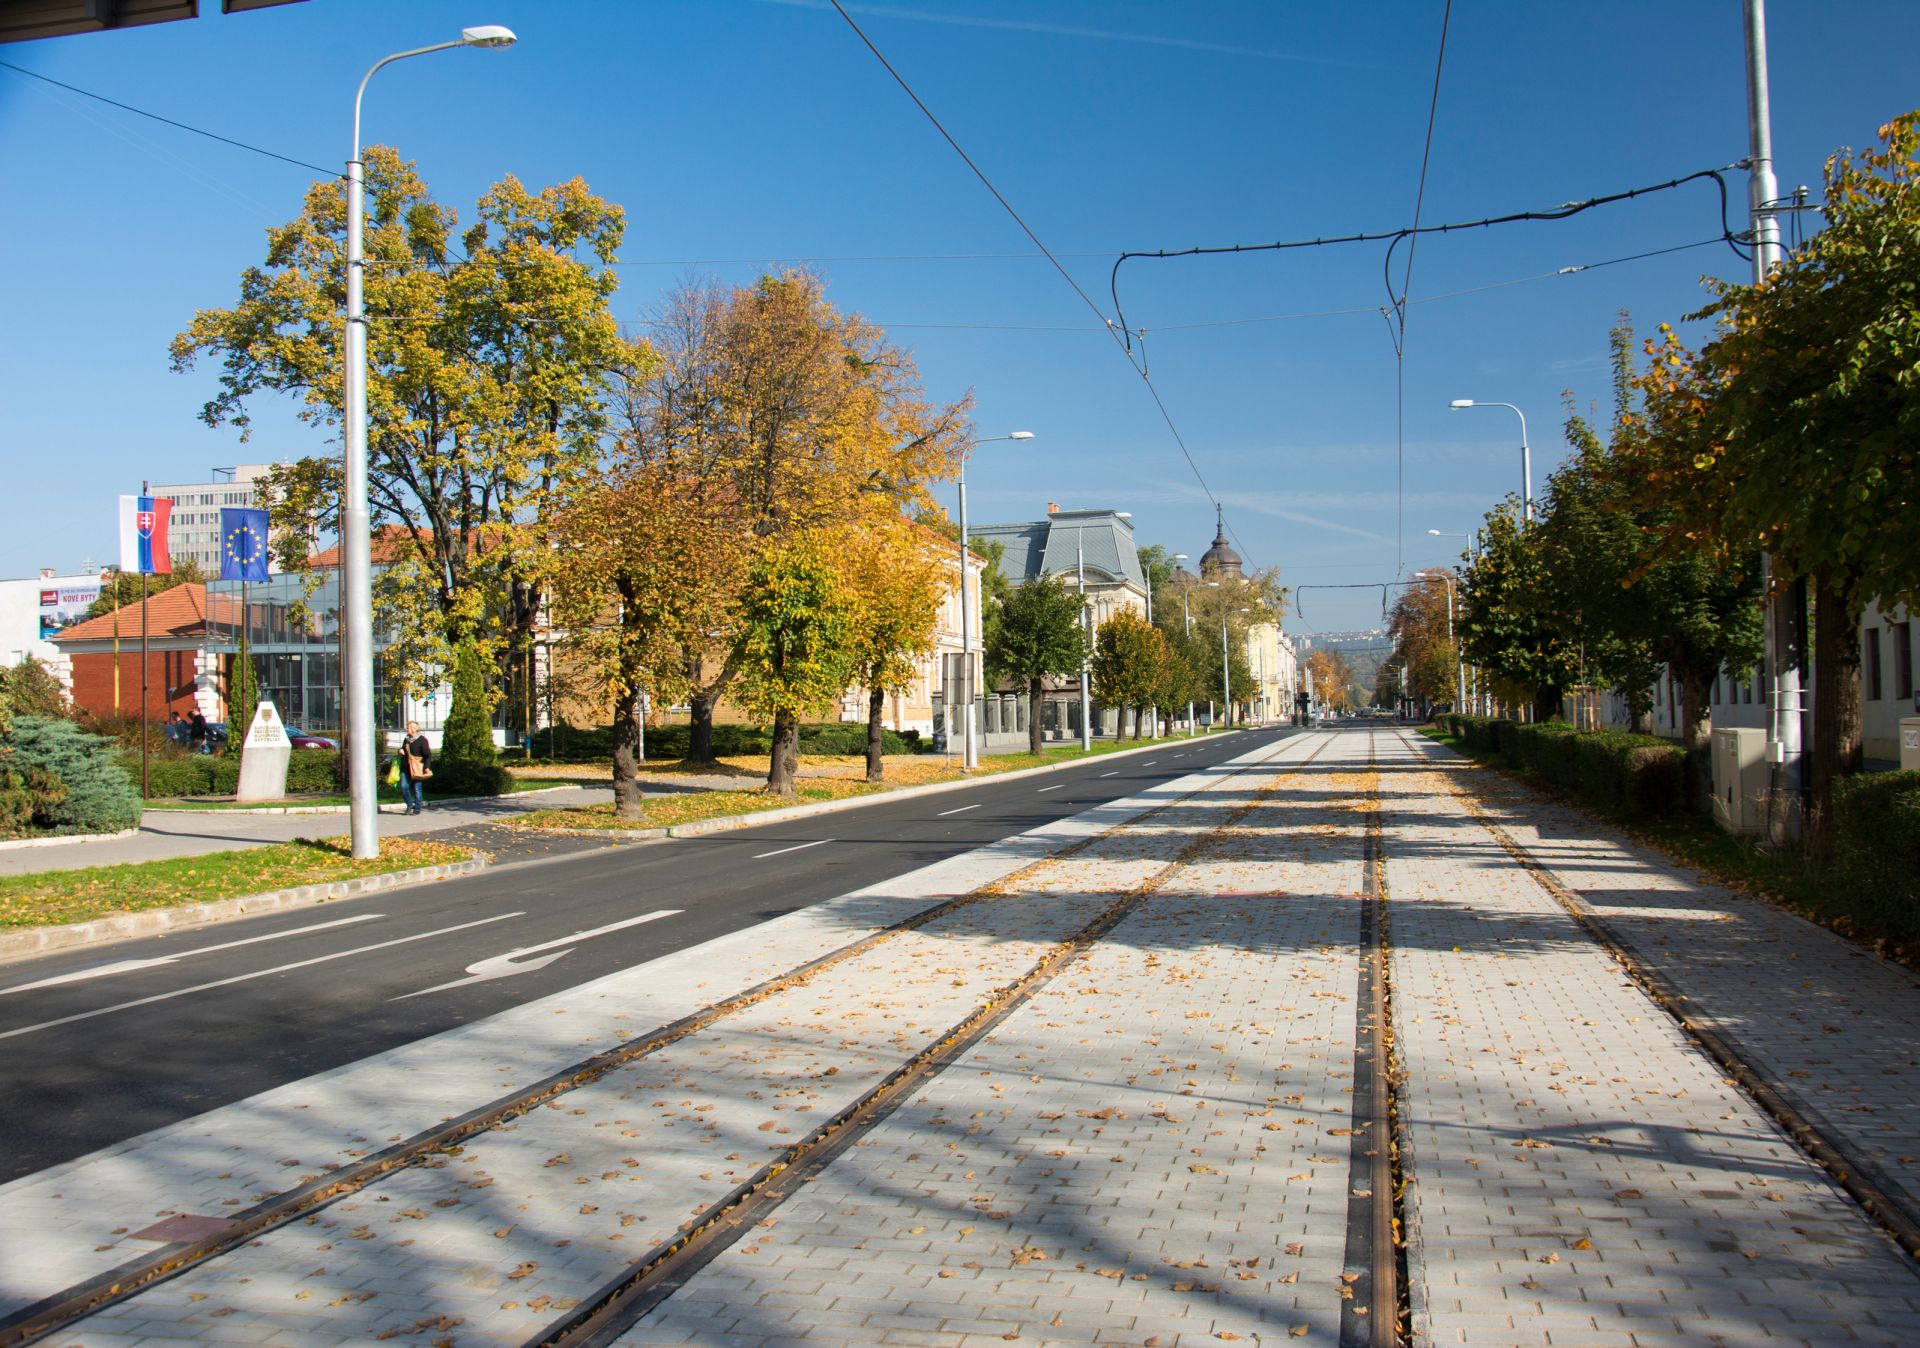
(65, 838)
(386, 807)
(19, 945)
(726, 823)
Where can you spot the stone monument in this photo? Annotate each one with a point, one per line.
(264, 757)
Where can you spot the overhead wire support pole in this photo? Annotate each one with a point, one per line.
(1785, 608)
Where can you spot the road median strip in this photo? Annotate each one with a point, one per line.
(110, 903)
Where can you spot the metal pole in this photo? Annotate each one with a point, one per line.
(1086, 628)
(1787, 732)
(1186, 610)
(1526, 466)
(356, 542)
(1154, 710)
(143, 678)
(1226, 675)
(970, 752)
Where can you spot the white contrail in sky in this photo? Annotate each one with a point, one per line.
(1061, 30)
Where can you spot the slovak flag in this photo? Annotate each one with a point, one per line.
(143, 534)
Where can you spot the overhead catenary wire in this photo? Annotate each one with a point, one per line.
(1123, 342)
(1399, 303)
(183, 126)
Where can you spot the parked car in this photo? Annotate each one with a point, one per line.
(302, 740)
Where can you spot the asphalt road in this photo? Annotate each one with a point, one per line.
(96, 1046)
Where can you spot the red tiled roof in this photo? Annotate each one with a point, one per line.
(178, 612)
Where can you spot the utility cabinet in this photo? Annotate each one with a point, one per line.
(1740, 779)
(1909, 743)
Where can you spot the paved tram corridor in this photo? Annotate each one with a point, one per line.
(1106, 1083)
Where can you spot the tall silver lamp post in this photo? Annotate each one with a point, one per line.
(1086, 647)
(356, 540)
(970, 751)
(1526, 454)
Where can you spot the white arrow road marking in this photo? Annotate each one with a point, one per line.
(516, 961)
(262, 973)
(128, 966)
(797, 847)
(962, 810)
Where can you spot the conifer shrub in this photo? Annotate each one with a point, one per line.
(467, 762)
(98, 795)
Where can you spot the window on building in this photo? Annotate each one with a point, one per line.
(1902, 659)
(1871, 637)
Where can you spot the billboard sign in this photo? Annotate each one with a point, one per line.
(63, 605)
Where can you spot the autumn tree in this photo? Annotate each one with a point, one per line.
(644, 557)
(1424, 638)
(489, 352)
(810, 415)
(1332, 678)
(1126, 665)
(1797, 428)
(1037, 634)
(895, 583)
(795, 646)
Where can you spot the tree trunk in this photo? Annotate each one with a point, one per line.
(1696, 737)
(1836, 750)
(785, 758)
(628, 800)
(1036, 699)
(700, 732)
(876, 734)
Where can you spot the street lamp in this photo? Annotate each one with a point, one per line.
(1526, 454)
(970, 751)
(1086, 644)
(1459, 671)
(356, 541)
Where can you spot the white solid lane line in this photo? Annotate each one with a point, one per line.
(962, 810)
(1043, 790)
(128, 966)
(261, 973)
(797, 847)
(516, 961)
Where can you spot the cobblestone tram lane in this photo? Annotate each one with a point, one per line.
(1582, 1171)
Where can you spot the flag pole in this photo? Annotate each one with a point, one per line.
(145, 487)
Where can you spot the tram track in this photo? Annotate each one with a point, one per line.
(1856, 1175)
(659, 1267)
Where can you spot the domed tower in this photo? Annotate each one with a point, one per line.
(1220, 562)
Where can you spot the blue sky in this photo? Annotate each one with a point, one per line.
(741, 133)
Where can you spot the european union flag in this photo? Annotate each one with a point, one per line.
(243, 544)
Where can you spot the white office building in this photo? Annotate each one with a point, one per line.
(195, 529)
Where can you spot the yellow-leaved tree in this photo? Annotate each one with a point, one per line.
(896, 575)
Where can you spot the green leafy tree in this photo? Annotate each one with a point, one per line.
(1126, 665)
(1423, 645)
(31, 689)
(1037, 634)
(1507, 622)
(795, 649)
(490, 354)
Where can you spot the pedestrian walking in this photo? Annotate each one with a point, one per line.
(197, 732)
(416, 765)
(177, 728)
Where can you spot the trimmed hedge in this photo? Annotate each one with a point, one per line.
(826, 737)
(1612, 769)
(309, 771)
(1876, 818)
